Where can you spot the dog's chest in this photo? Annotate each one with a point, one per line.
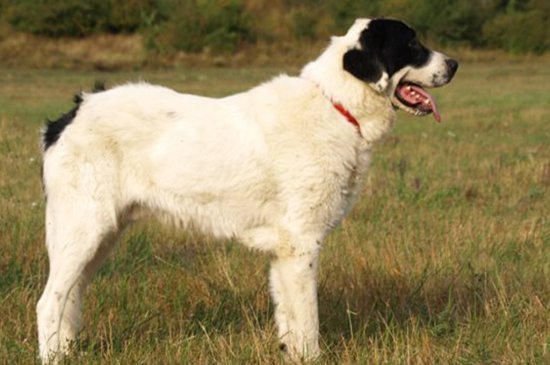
(350, 183)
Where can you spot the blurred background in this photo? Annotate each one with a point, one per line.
(117, 34)
(444, 260)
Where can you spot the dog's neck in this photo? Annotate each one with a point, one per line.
(372, 109)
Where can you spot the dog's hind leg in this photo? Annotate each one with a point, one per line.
(79, 235)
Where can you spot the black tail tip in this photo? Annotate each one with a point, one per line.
(54, 128)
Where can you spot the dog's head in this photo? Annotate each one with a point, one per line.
(386, 54)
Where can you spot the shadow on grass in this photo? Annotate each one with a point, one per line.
(384, 302)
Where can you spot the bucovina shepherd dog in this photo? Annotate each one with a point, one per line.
(276, 167)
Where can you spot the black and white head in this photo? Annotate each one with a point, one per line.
(388, 55)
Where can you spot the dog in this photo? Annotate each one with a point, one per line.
(276, 167)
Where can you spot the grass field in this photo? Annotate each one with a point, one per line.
(445, 260)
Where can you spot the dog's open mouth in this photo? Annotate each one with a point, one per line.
(414, 99)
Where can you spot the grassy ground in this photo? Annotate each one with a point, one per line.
(446, 259)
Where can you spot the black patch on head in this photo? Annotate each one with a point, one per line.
(54, 128)
(387, 45)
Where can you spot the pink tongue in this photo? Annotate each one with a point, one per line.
(431, 106)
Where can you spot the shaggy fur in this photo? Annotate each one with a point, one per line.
(276, 167)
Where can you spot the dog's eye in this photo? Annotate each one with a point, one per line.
(413, 43)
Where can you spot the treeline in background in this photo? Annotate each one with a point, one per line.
(227, 26)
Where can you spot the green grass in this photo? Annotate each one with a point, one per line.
(445, 260)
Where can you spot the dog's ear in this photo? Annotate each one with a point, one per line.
(366, 68)
(366, 63)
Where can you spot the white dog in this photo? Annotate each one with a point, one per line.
(276, 167)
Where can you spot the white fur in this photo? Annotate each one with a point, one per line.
(276, 167)
(433, 74)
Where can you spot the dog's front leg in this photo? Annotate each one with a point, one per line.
(293, 282)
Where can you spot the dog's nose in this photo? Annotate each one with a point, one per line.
(452, 66)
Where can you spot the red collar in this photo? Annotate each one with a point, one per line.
(350, 118)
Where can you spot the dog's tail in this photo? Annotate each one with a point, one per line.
(54, 128)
